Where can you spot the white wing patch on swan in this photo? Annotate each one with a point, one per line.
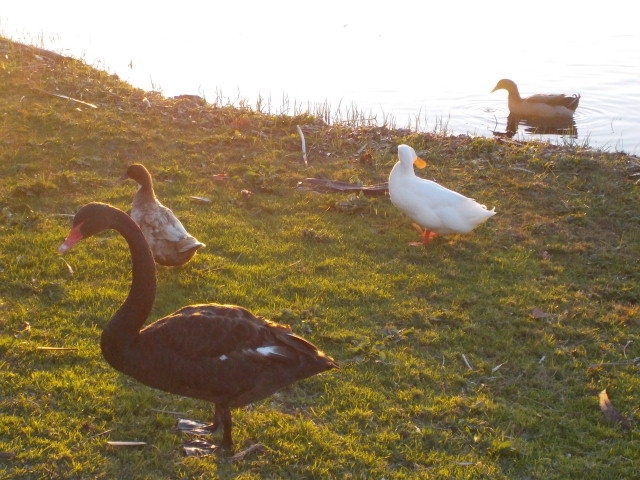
(271, 351)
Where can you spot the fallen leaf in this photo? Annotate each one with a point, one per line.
(538, 313)
(193, 427)
(611, 413)
(198, 448)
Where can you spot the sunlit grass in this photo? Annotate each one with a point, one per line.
(481, 356)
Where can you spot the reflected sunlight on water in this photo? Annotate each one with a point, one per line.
(414, 64)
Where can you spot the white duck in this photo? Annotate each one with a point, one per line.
(437, 209)
(169, 241)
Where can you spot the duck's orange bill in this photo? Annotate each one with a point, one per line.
(420, 163)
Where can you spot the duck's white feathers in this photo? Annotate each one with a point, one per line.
(159, 224)
(169, 241)
(429, 204)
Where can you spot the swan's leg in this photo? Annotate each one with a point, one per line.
(215, 426)
(222, 419)
(225, 418)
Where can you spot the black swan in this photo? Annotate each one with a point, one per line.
(169, 241)
(220, 353)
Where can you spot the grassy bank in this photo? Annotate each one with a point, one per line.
(480, 356)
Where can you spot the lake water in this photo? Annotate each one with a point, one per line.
(407, 63)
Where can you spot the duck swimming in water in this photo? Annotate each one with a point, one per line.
(539, 105)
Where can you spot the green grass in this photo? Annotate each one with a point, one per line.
(531, 300)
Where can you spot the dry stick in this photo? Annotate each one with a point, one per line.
(497, 367)
(101, 433)
(168, 412)
(69, 267)
(466, 362)
(56, 349)
(256, 447)
(304, 144)
(126, 443)
(68, 98)
(635, 362)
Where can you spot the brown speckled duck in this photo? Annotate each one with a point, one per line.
(220, 353)
(539, 105)
(169, 241)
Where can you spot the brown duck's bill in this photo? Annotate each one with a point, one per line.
(74, 237)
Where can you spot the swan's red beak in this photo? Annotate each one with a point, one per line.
(74, 237)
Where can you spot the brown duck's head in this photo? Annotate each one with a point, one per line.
(506, 84)
(138, 172)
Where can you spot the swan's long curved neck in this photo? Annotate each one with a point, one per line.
(125, 324)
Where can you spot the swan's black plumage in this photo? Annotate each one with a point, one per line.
(220, 353)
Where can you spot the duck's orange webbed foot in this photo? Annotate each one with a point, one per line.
(427, 235)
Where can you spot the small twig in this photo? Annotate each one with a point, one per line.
(170, 412)
(256, 447)
(126, 443)
(59, 95)
(522, 169)
(56, 349)
(635, 362)
(200, 199)
(69, 267)
(466, 362)
(497, 367)
(304, 144)
(101, 433)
